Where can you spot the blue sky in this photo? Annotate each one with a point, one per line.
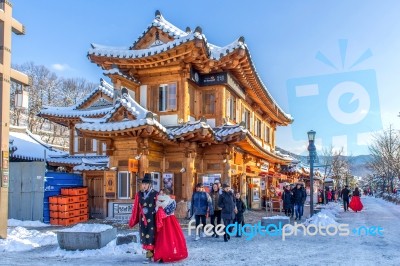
(284, 38)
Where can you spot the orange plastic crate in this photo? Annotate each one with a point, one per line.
(64, 191)
(78, 191)
(53, 207)
(53, 199)
(54, 214)
(65, 200)
(68, 221)
(73, 213)
(54, 221)
(83, 218)
(79, 198)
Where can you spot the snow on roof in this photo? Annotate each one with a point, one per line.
(226, 130)
(74, 111)
(188, 127)
(115, 71)
(85, 167)
(28, 146)
(68, 112)
(78, 159)
(98, 50)
(143, 117)
(164, 25)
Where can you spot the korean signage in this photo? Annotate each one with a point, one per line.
(122, 211)
(110, 179)
(4, 168)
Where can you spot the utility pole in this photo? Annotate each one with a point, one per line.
(8, 25)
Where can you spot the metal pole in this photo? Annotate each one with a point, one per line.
(312, 155)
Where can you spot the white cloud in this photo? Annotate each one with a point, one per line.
(60, 67)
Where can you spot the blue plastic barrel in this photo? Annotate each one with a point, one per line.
(53, 183)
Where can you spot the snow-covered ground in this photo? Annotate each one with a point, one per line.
(26, 246)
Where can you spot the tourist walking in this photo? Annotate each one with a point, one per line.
(345, 197)
(287, 200)
(214, 194)
(201, 205)
(170, 243)
(299, 197)
(239, 214)
(355, 203)
(144, 213)
(226, 202)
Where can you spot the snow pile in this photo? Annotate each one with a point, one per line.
(321, 219)
(21, 239)
(327, 215)
(88, 228)
(277, 217)
(15, 223)
(111, 249)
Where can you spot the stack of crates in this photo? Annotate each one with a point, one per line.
(71, 207)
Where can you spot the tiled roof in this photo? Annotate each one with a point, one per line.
(115, 71)
(176, 131)
(74, 111)
(77, 159)
(162, 24)
(27, 146)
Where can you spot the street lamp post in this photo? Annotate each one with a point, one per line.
(313, 154)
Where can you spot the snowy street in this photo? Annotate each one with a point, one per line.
(262, 250)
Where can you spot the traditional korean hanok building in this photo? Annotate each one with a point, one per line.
(180, 108)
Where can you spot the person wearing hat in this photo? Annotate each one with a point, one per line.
(144, 213)
(227, 204)
(345, 197)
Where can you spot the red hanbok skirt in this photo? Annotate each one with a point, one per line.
(170, 243)
(355, 204)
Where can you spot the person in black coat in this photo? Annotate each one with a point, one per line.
(239, 217)
(345, 196)
(287, 200)
(227, 204)
(299, 197)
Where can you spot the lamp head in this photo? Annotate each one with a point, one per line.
(311, 135)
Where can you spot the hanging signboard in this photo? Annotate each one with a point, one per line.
(110, 178)
(133, 165)
(4, 168)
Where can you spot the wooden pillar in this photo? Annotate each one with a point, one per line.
(7, 25)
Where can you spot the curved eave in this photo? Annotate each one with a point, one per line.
(201, 135)
(250, 145)
(124, 79)
(134, 131)
(145, 58)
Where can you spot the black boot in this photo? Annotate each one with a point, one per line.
(225, 238)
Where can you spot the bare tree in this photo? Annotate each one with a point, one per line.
(47, 90)
(385, 151)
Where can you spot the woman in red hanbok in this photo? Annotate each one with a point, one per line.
(355, 203)
(170, 243)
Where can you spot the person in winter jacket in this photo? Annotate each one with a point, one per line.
(240, 207)
(214, 194)
(299, 197)
(287, 200)
(345, 196)
(200, 207)
(226, 202)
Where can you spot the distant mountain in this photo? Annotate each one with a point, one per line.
(358, 164)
